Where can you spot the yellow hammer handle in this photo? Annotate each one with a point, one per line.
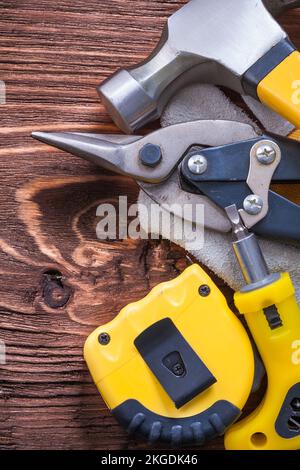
(275, 424)
(280, 89)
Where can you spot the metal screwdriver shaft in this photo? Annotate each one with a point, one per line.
(247, 249)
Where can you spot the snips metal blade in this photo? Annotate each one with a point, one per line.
(152, 160)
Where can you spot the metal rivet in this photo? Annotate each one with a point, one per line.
(104, 339)
(150, 155)
(266, 154)
(204, 290)
(253, 204)
(178, 370)
(198, 164)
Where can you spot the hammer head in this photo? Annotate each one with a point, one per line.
(236, 43)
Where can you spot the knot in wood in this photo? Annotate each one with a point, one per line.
(56, 293)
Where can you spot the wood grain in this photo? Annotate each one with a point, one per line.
(57, 282)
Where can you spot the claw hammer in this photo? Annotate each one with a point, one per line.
(232, 43)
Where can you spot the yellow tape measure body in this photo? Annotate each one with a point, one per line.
(202, 326)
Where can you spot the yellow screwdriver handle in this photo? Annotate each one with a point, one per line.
(280, 89)
(275, 424)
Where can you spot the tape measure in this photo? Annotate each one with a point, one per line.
(177, 366)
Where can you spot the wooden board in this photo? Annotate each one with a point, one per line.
(57, 281)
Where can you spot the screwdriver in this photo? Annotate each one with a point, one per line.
(270, 308)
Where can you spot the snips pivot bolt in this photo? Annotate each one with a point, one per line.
(150, 155)
(253, 204)
(198, 164)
